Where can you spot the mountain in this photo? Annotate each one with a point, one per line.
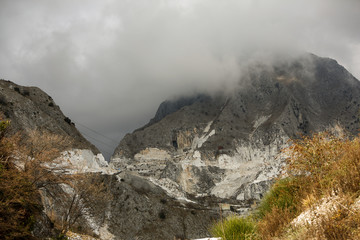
(29, 108)
(227, 145)
(197, 156)
(134, 207)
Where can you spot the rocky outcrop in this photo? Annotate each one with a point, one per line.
(29, 108)
(227, 145)
(135, 209)
(147, 212)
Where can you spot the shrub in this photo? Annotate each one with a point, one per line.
(272, 224)
(282, 195)
(279, 206)
(314, 158)
(235, 228)
(31, 162)
(19, 201)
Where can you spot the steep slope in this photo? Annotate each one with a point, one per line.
(30, 108)
(134, 207)
(227, 145)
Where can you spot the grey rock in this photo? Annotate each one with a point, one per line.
(30, 108)
(227, 145)
(199, 154)
(142, 210)
(136, 207)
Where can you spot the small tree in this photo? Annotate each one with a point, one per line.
(19, 201)
(85, 192)
(31, 162)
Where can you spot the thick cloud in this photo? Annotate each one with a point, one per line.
(109, 63)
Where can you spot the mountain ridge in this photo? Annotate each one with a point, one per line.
(134, 207)
(200, 154)
(202, 144)
(30, 108)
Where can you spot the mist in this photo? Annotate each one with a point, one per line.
(109, 64)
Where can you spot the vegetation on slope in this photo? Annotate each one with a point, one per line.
(19, 201)
(322, 174)
(28, 167)
(235, 228)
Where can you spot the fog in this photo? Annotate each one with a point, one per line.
(110, 63)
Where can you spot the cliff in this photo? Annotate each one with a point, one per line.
(227, 144)
(30, 108)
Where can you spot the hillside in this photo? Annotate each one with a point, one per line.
(30, 108)
(226, 145)
(198, 157)
(63, 184)
(318, 198)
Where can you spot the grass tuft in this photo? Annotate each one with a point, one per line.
(235, 228)
(282, 195)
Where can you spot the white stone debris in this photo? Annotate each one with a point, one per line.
(105, 234)
(208, 127)
(152, 154)
(314, 214)
(81, 161)
(250, 164)
(67, 189)
(260, 121)
(197, 161)
(199, 141)
(76, 236)
(242, 173)
(171, 188)
(325, 208)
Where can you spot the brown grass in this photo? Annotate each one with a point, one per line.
(331, 167)
(318, 167)
(273, 223)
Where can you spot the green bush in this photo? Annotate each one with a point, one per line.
(282, 195)
(235, 228)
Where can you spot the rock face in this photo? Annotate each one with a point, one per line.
(136, 207)
(227, 145)
(169, 178)
(30, 108)
(147, 212)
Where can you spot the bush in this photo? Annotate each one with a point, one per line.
(19, 201)
(314, 158)
(279, 206)
(282, 195)
(235, 228)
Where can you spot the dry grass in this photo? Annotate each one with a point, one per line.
(343, 222)
(331, 167)
(235, 228)
(272, 223)
(323, 166)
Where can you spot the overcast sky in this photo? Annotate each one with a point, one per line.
(110, 63)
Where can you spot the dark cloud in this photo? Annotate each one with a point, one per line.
(109, 63)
